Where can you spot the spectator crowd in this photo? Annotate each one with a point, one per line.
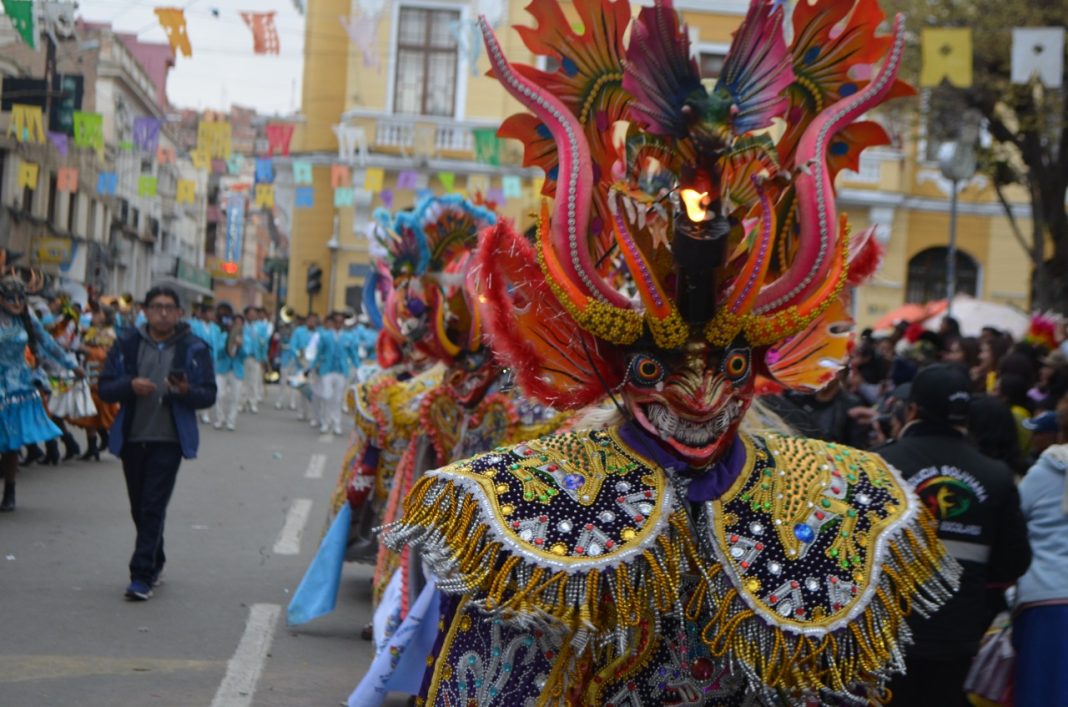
(977, 426)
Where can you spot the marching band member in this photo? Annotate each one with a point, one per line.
(332, 365)
(229, 367)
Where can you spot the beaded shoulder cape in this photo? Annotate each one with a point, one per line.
(454, 431)
(501, 417)
(386, 411)
(586, 555)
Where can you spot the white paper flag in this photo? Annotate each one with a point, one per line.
(1038, 50)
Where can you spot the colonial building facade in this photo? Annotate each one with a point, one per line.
(413, 95)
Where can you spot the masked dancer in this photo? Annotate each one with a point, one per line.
(23, 419)
(672, 558)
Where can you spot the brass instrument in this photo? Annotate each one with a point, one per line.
(287, 315)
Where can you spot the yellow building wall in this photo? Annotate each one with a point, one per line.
(886, 291)
(1004, 268)
(311, 231)
(1007, 276)
(336, 80)
(327, 58)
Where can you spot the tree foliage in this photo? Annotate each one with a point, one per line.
(1028, 124)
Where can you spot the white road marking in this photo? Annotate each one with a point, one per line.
(244, 669)
(315, 466)
(288, 542)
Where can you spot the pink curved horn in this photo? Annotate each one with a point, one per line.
(817, 213)
(740, 297)
(574, 186)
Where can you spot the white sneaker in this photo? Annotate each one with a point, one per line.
(254, 409)
(278, 405)
(324, 429)
(337, 430)
(205, 419)
(230, 426)
(217, 425)
(293, 406)
(313, 423)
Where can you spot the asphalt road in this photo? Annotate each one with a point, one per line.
(215, 632)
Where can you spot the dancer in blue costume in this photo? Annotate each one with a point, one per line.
(23, 419)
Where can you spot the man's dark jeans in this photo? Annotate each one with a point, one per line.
(151, 469)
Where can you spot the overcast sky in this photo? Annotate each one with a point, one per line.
(223, 70)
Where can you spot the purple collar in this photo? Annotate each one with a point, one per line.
(705, 484)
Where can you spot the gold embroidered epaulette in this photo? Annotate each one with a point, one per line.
(818, 554)
(550, 528)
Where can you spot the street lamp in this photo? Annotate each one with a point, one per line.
(956, 160)
(333, 245)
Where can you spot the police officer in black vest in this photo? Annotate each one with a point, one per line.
(980, 522)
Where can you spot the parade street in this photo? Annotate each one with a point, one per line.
(245, 520)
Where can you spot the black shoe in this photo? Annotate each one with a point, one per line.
(33, 454)
(367, 633)
(92, 453)
(8, 502)
(105, 437)
(71, 446)
(51, 457)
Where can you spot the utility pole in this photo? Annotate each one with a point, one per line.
(957, 162)
(333, 244)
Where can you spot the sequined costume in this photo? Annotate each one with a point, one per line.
(23, 419)
(96, 343)
(384, 408)
(688, 252)
(473, 409)
(431, 305)
(641, 591)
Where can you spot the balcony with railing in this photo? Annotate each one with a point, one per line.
(423, 137)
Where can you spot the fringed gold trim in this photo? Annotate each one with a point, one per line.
(602, 612)
(609, 604)
(851, 663)
(443, 519)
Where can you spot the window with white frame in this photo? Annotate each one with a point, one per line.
(711, 63)
(427, 61)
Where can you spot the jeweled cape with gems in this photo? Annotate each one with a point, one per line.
(579, 573)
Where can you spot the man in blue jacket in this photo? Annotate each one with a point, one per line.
(161, 374)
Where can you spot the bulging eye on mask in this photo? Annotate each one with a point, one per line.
(692, 400)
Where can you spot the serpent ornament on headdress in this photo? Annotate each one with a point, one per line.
(731, 236)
